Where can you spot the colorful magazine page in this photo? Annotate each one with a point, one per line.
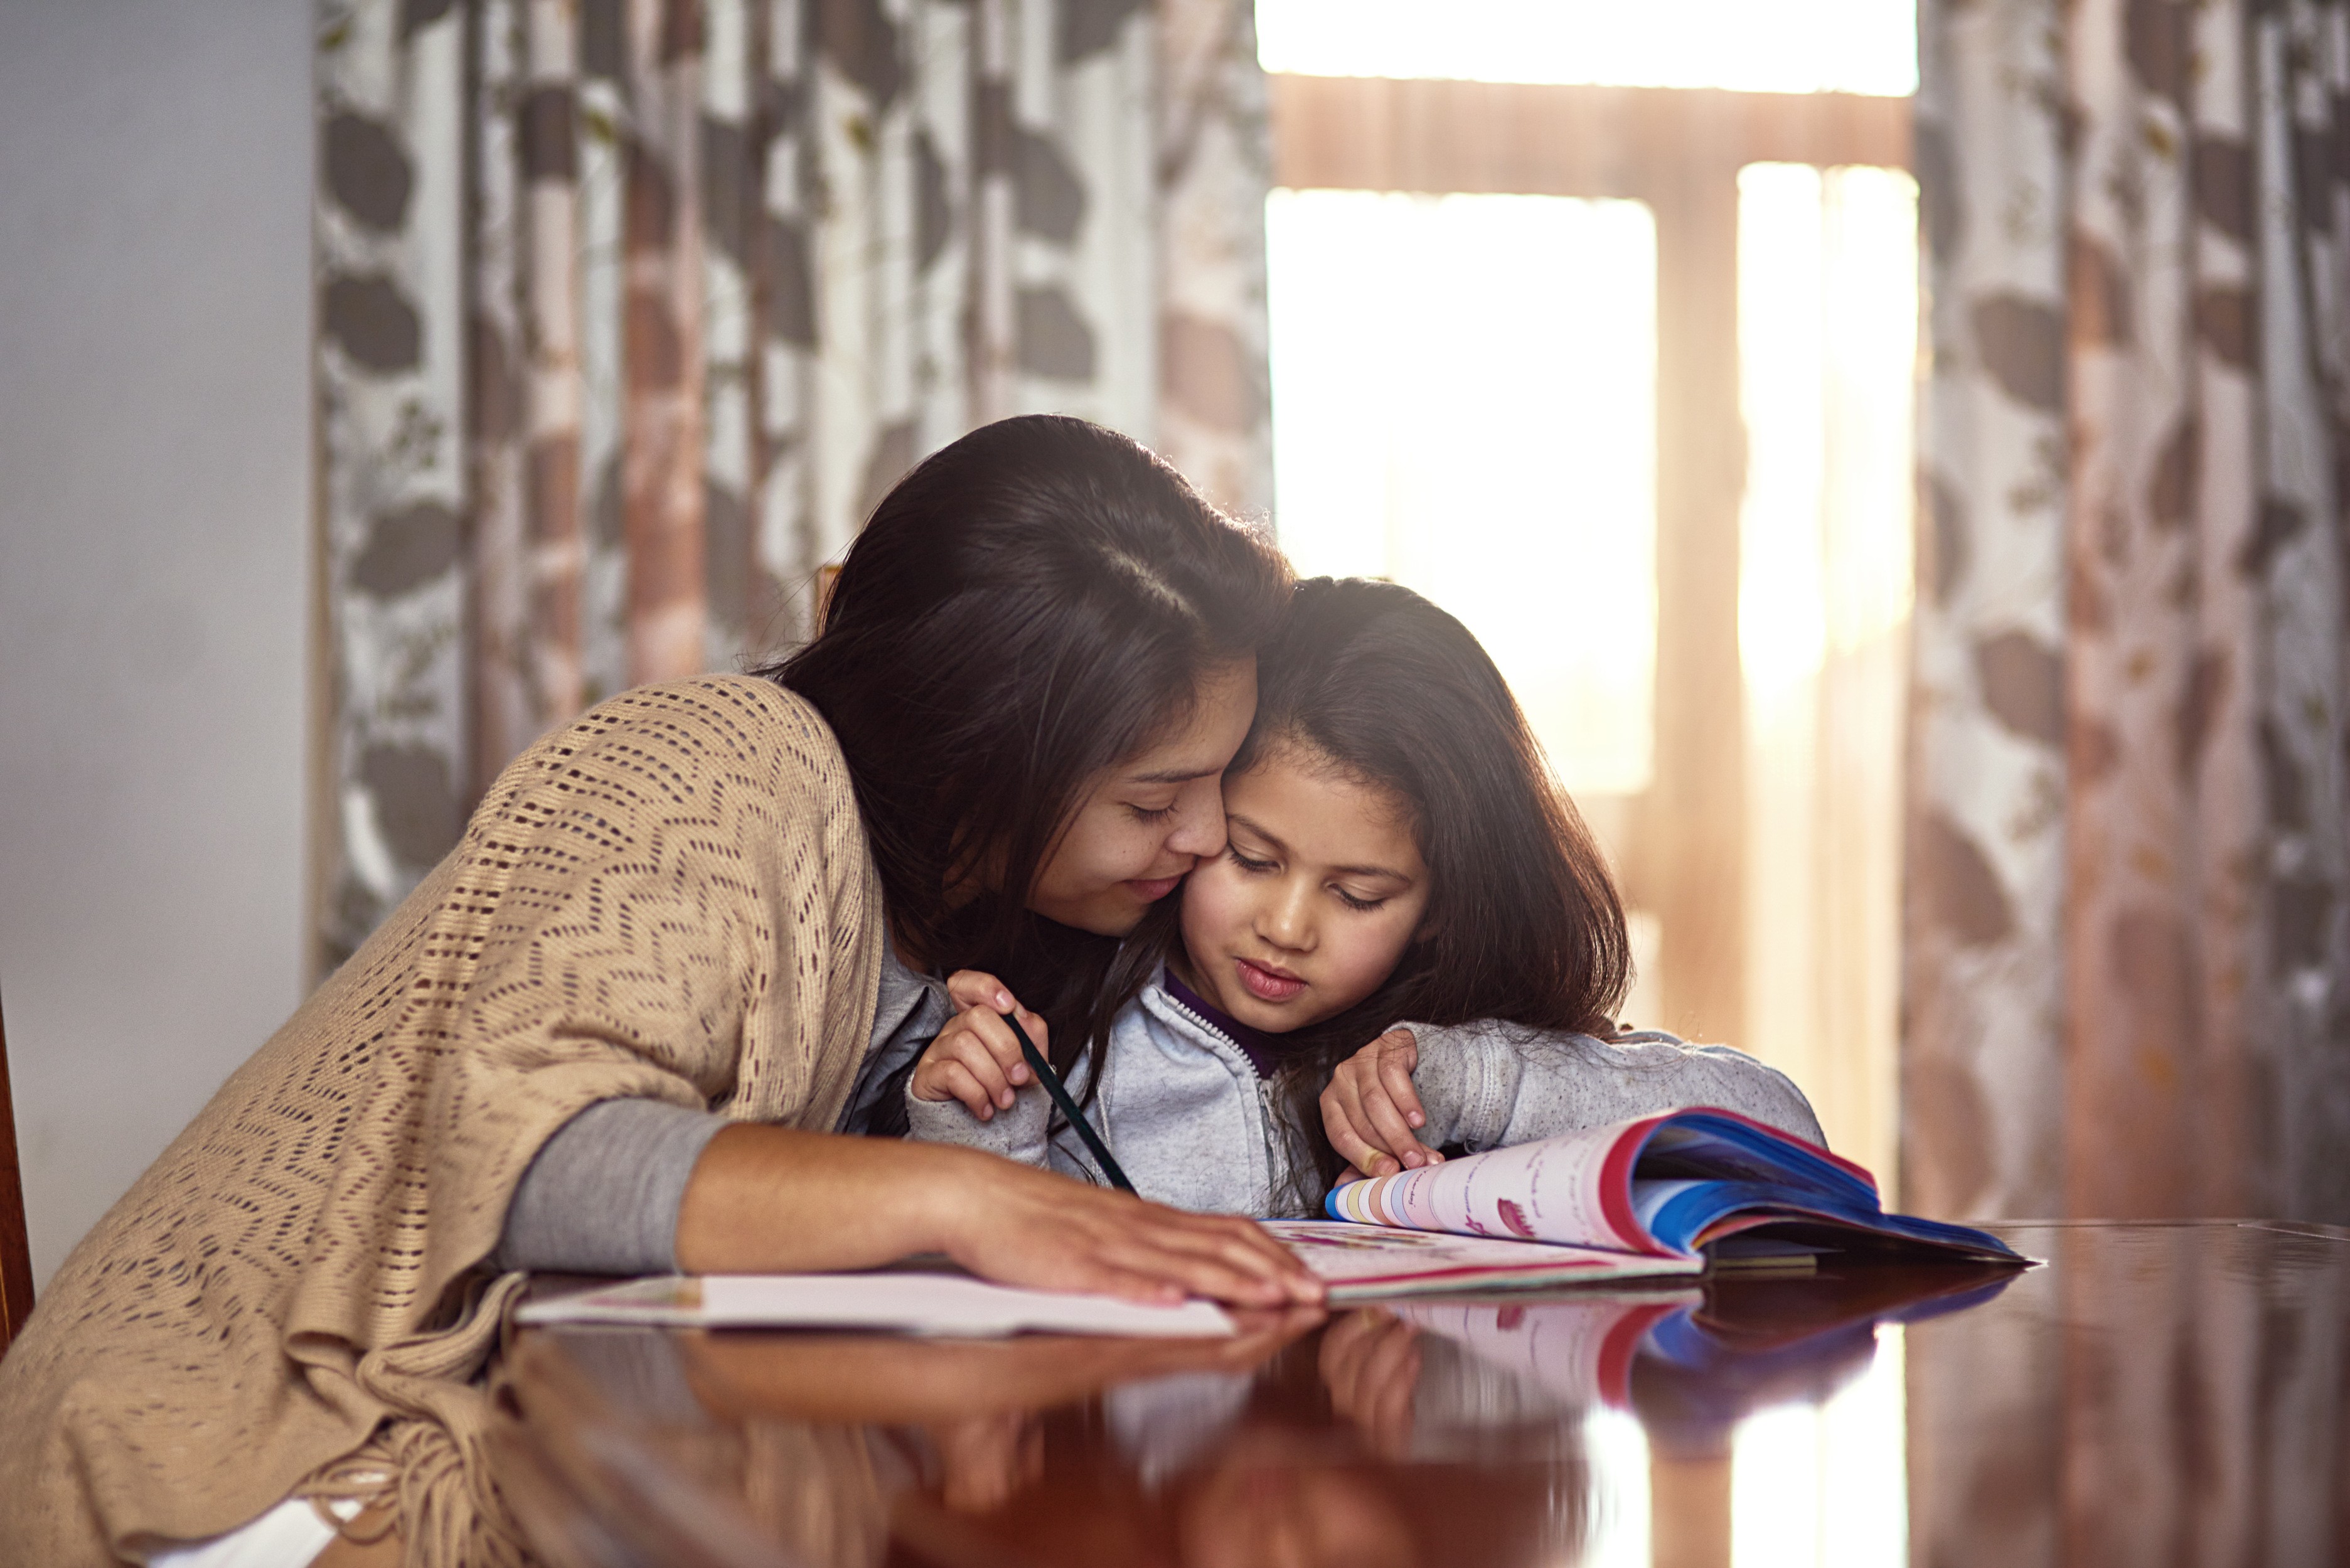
(1671, 1185)
(952, 1305)
(1361, 1262)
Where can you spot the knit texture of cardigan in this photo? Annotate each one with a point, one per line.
(671, 898)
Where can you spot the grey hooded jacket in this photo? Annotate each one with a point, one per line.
(1192, 1124)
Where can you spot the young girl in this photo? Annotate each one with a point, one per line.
(1397, 848)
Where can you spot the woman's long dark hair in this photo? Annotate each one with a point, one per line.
(1522, 921)
(1030, 606)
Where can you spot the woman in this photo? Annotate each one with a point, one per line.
(1003, 747)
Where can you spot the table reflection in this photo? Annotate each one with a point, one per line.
(1593, 1428)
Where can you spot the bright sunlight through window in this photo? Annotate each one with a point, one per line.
(1465, 397)
(1827, 353)
(1753, 46)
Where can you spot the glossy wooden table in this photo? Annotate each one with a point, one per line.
(2172, 1393)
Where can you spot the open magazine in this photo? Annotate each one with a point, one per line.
(1684, 1184)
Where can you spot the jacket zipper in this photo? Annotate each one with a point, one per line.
(1277, 1165)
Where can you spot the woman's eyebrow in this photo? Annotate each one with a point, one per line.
(1173, 775)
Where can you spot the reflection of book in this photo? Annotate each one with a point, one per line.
(1578, 1352)
(1360, 1262)
(1692, 1363)
(1681, 1184)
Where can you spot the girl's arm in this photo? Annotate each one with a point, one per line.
(1489, 1084)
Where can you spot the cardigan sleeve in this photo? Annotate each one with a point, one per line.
(601, 1197)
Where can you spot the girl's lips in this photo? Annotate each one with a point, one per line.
(1154, 890)
(1268, 985)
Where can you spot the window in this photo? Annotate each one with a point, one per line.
(1469, 379)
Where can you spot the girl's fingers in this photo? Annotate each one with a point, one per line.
(1388, 1127)
(970, 988)
(1362, 1154)
(1397, 1062)
(957, 1081)
(986, 1068)
(958, 1052)
(1344, 1124)
(994, 1037)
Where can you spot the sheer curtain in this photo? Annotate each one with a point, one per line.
(630, 309)
(2129, 960)
(2128, 970)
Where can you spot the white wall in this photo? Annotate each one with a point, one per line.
(154, 245)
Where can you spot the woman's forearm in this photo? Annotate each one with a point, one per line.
(764, 1200)
(768, 1199)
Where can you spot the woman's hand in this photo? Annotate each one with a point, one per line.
(1370, 1109)
(976, 1058)
(1028, 1227)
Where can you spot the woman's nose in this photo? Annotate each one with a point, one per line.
(1199, 822)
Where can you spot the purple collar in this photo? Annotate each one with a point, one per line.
(1265, 1052)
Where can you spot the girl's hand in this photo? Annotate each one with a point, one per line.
(1371, 1109)
(976, 1059)
(1371, 1363)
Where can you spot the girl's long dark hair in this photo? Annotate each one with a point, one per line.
(1524, 923)
(1031, 605)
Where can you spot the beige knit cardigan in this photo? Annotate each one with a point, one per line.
(672, 898)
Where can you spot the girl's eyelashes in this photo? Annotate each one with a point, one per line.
(1255, 867)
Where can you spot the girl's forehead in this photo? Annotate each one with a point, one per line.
(1301, 766)
(1321, 810)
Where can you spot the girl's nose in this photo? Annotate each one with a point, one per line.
(1285, 922)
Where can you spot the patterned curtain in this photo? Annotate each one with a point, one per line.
(2127, 945)
(629, 310)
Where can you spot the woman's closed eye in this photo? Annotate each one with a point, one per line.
(1150, 813)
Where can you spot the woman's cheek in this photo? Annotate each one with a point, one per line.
(1112, 847)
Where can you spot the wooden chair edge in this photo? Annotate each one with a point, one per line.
(16, 1244)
